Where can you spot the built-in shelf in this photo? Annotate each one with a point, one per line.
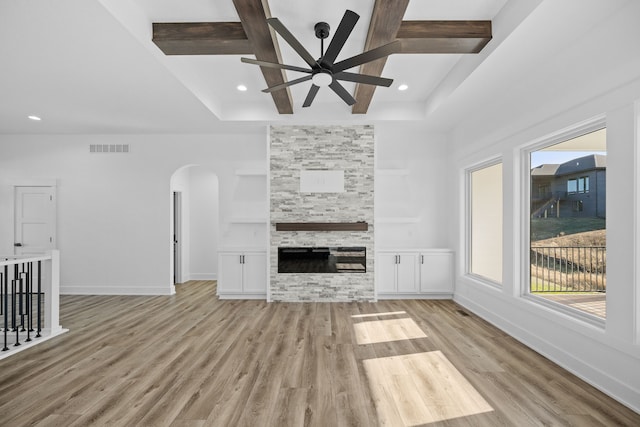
(392, 172)
(251, 172)
(398, 220)
(322, 226)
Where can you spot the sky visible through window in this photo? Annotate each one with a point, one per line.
(557, 157)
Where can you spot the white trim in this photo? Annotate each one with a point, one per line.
(467, 171)
(115, 290)
(35, 182)
(522, 199)
(32, 182)
(566, 359)
(439, 295)
(636, 227)
(268, 213)
(575, 313)
(243, 296)
(582, 128)
(203, 276)
(479, 279)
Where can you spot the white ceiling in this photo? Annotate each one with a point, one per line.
(89, 66)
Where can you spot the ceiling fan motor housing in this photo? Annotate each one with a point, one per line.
(322, 30)
(324, 71)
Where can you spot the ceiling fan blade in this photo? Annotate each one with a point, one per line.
(342, 92)
(275, 65)
(287, 84)
(363, 78)
(340, 37)
(293, 42)
(368, 56)
(311, 95)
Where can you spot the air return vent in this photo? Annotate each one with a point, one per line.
(109, 148)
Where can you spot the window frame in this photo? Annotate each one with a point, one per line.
(524, 244)
(468, 172)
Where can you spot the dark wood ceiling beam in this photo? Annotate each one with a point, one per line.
(253, 15)
(383, 28)
(443, 36)
(254, 36)
(202, 38)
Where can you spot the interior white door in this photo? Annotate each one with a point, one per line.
(35, 220)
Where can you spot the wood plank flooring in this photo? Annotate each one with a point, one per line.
(193, 360)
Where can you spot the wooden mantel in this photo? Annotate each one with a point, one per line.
(322, 226)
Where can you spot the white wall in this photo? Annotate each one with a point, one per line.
(597, 75)
(203, 231)
(114, 209)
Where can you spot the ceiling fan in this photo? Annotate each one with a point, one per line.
(323, 71)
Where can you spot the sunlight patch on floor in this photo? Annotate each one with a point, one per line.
(389, 313)
(421, 388)
(377, 331)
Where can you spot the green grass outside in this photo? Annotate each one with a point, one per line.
(540, 286)
(546, 228)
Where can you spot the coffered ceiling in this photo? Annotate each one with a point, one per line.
(90, 66)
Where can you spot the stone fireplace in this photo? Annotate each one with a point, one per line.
(345, 156)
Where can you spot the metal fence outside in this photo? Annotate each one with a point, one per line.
(568, 269)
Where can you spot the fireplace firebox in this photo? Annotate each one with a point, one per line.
(341, 259)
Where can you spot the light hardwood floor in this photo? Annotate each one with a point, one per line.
(192, 360)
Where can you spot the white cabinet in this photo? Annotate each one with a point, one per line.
(386, 276)
(397, 272)
(424, 273)
(436, 272)
(242, 274)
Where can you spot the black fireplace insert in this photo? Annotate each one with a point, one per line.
(341, 259)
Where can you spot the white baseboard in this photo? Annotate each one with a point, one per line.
(114, 290)
(203, 276)
(243, 296)
(382, 296)
(613, 387)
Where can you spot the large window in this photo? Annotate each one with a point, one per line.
(485, 257)
(568, 223)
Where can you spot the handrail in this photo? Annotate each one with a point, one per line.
(24, 283)
(13, 259)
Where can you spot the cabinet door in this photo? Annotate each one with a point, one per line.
(436, 272)
(385, 272)
(407, 268)
(255, 273)
(230, 273)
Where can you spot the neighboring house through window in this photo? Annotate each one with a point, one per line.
(567, 250)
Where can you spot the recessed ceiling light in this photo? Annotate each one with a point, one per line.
(36, 118)
(403, 87)
(241, 88)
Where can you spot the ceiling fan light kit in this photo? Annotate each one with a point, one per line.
(323, 71)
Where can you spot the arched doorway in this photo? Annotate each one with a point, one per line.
(194, 224)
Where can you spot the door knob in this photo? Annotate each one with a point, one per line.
(17, 245)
